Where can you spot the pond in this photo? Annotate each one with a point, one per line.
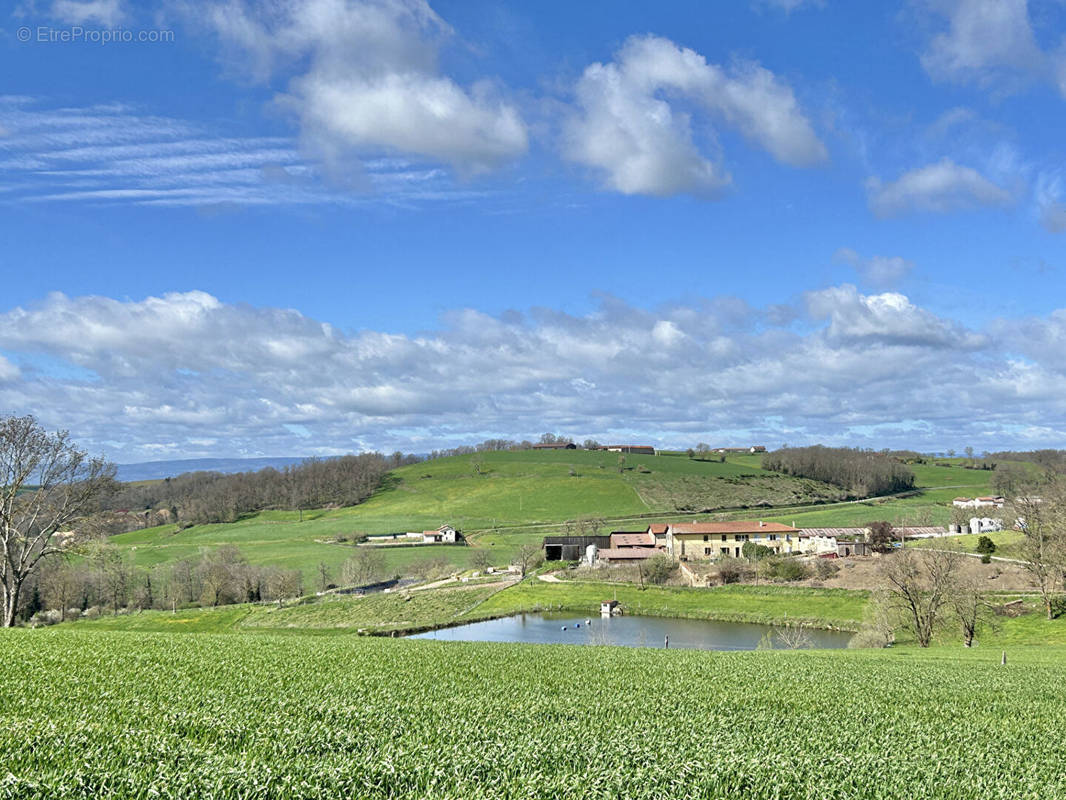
(629, 631)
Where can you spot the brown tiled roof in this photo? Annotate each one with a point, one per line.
(658, 527)
(740, 526)
(632, 539)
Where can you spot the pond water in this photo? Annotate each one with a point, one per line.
(627, 631)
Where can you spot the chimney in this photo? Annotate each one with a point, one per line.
(760, 523)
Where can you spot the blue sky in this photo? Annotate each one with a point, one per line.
(315, 226)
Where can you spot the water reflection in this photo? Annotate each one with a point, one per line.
(629, 631)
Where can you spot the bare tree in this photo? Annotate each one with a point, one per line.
(46, 485)
(528, 557)
(970, 606)
(366, 566)
(324, 576)
(919, 587)
(1043, 525)
(881, 535)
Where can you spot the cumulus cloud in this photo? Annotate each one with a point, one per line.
(631, 124)
(941, 187)
(880, 271)
(186, 374)
(888, 318)
(365, 80)
(988, 42)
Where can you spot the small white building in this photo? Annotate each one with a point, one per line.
(978, 502)
(985, 525)
(445, 534)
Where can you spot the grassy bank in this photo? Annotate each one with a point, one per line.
(826, 608)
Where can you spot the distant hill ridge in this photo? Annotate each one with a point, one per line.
(158, 470)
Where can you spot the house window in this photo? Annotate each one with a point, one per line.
(772, 537)
(724, 550)
(705, 537)
(706, 551)
(723, 537)
(741, 537)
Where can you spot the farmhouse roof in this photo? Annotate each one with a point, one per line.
(658, 528)
(740, 526)
(632, 539)
(838, 532)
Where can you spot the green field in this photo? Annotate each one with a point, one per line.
(521, 496)
(518, 497)
(109, 714)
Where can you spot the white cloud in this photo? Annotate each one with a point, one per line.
(143, 378)
(117, 154)
(879, 271)
(8, 371)
(365, 80)
(888, 318)
(988, 42)
(631, 126)
(80, 12)
(941, 187)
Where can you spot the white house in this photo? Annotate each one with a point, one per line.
(445, 534)
(985, 525)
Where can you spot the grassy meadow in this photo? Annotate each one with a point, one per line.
(97, 714)
(519, 497)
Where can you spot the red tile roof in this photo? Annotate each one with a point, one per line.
(658, 528)
(632, 539)
(741, 526)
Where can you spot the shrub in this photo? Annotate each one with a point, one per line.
(787, 569)
(985, 546)
(986, 558)
(659, 568)
(732, 570)
(825, 568)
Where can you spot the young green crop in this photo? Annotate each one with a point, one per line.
(96, 714)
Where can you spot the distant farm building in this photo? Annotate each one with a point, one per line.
(978, 502)
(713, 540)
(755, 448)
(445, 534)
(636, 449)
(555, 446)
(572, 548)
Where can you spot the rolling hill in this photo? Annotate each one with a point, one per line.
(502, 500)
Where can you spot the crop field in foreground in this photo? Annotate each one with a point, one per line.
(98, 714)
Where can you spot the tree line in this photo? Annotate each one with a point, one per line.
(196, 498)
(101, 579)
(864, 473)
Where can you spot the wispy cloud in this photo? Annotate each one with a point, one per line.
(116, 153)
